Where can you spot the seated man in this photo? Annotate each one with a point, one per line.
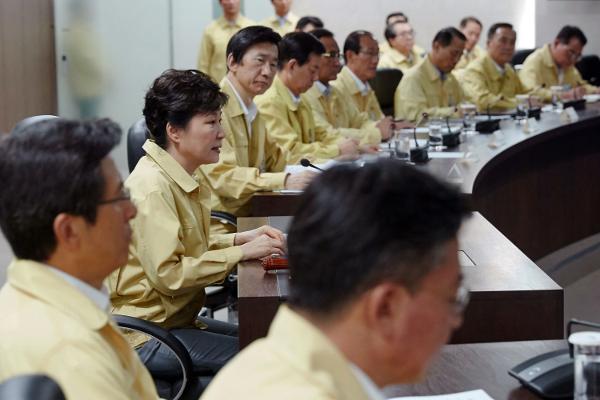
(173, 257)
(402, 52)
(250, 160)
(374, 293)
(211, 58)
(284, 21)
(361, 54)
(554, 64)
(430, 87)
(288, 117)
(66, 217)
(330, 110)
(389, 20)
(490, 82)
(471, 28)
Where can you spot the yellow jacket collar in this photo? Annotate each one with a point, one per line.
(490, 69)
(547, 57)
(432, 72)
(284, 94)
(38, 281)
(171, 167)
(348, 80)
(234, 108)
(323, 359)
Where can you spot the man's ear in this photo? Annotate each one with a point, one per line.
(173, 133)
(291, 64)
(68, 230)
(385, 308)
(231, 64)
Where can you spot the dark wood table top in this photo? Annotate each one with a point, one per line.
(463, 367)
(511, 298)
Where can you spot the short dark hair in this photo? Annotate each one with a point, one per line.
(48, 168)
(309, 19)
(395, 14)
(352, 42)
(298, 46)
(321, 32)
(247, 37)
(175, 97)
(357, 227)
(445, 36)
(492, 31)
(470, 18)
(569, 32)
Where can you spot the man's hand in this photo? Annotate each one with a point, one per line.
(386, 127)
(348, 147)
(299, 181)
(575, 93)
(262, 246)
(402, 124)
(368, 149)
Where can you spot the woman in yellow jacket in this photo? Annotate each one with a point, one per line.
(172, 258)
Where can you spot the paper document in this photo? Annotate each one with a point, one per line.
(470, 395)
(446, 154)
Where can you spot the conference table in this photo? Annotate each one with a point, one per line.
(539, 189)
(463, 367)
(511, 298)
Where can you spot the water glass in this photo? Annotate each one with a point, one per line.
(586, 350)
(435, 133)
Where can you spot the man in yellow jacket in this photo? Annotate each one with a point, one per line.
(402, 52)
(490, 82)
(369, 306)
(212, 58)
(284, 21)
(54, 307)
(361, 54)
(554, 64)
(471, 28)
(430, 87)
(330, 110)
(288, 117)
(250, 160)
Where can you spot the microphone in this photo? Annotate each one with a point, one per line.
(419, 154)
(305, 163)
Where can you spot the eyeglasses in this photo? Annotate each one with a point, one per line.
(370, 54)
(332, 55)
(573, 55)
(407, 33)
(123, 196)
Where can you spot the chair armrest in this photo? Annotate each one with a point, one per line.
(166, 338)
(224, 217)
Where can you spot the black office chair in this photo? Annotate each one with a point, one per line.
(27, 387)
(175, 385)
(25, 122)
(589, 68)
(217, 297)
(520, 55)
(384, 84)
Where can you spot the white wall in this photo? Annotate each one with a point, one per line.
(427, 17)
(552, 15)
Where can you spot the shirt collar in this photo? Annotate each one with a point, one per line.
(325, 90)
(501, 70)
(363, 87)
(249, 112)
(282, 20)
(367, 383)
(99, 297)
(295, 99)
(171, 167)
(433, 71)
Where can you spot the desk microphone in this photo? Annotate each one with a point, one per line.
(305, 163)
(419, 154)
(489, 125)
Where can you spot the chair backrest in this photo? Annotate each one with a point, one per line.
(384, 84)
(589, 67)
(27, 387)
(136, 136)
(520, 55)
